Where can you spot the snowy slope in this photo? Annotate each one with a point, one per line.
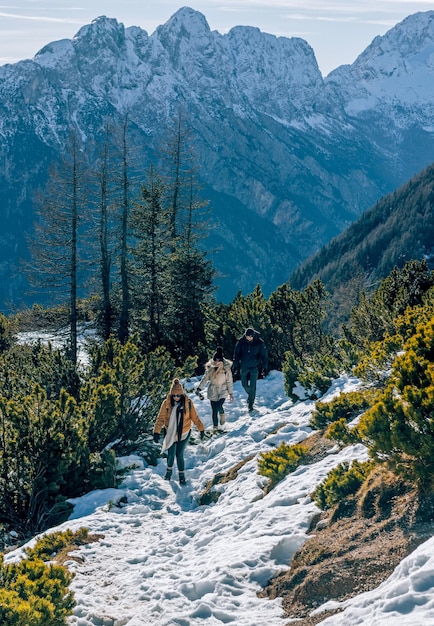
(393, 77)
(166, 561)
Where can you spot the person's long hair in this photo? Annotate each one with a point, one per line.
(181, 401)
(214, 369)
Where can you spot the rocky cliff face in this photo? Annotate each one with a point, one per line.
(288, 159)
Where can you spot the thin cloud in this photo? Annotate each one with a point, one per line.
(353, 20)
(35, 18)
(340, 19)
(346, 6)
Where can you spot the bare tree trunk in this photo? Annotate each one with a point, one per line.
(73, 284)
(105, 261)
(56, 245)
(125, 289)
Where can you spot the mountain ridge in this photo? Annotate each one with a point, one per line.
(397, 229)
(305, 155)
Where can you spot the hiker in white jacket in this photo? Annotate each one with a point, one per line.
(218, 375)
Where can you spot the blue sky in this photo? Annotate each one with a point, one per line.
(337, 30)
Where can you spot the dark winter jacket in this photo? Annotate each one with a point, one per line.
(250, 354)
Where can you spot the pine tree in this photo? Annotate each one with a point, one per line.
(283, 318)
(191, 283)
(55, 246)
(297, 318)
(151, 255)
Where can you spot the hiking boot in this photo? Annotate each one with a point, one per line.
(168, 475)
(222, 419)
(250, 406)
(181, 478)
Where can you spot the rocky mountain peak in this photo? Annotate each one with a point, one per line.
(186, 24)
(100, 30)
(288, 158)
(102, 37)
(403, 48)
(395, 73)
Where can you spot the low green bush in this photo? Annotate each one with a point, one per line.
(346, 406)
(52, 544)
(340, 432)
(399, 428)
(281, 461)
(34, 592)
(343, 481)
(290, 369)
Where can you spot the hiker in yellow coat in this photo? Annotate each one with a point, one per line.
(176, 414)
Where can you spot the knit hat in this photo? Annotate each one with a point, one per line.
(250, 332)
(218, 356)
(176, 388)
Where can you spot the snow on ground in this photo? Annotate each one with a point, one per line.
(58, 339)
(164, 560)
(406, 598)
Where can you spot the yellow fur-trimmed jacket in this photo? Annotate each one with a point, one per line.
(190, 415)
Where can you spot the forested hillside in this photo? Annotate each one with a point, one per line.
(398, 228)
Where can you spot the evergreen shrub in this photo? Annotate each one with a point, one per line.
(343, 481)
(290, 369)
(34, 592)
(374, 366)
(339, 431)
(53, 543)
(280, 462)
(316, 372)
(6, 327)
(345, 406)
(399, 428)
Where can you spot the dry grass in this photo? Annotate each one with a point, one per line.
(354, 547)
(65, 553)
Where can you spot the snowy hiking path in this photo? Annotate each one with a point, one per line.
(164, 560)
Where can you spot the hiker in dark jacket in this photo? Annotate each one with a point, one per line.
(250, 357)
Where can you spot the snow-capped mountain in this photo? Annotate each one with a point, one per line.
(288, 158)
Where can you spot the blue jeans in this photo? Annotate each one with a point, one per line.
(177, 449)
(248, 381)
(217, 408)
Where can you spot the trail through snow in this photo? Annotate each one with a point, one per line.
(165, 560)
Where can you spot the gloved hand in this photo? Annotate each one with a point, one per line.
(264, 372)
(156, 437)
(199, 393)
(202, 434)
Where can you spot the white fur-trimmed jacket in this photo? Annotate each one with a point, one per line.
(219, 379)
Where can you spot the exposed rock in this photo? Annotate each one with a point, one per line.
(348, 555)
